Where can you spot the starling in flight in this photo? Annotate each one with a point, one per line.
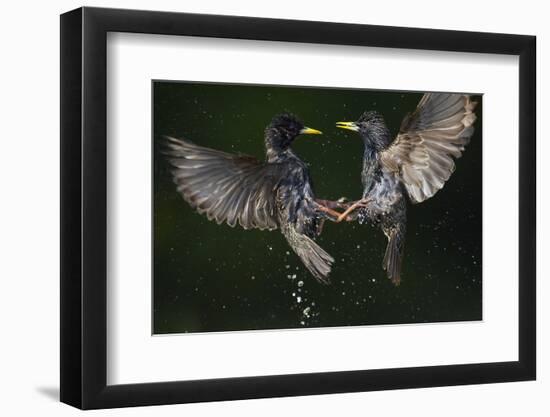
(278, 193)
(416, 163)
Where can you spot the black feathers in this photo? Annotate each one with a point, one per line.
(239, 189)
(419, 160)
(277, 193)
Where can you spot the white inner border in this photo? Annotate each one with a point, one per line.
(134, 356)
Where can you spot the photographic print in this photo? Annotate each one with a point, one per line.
(278, 207)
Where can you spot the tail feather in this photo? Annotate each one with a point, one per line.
(314, 257)
(394, 255)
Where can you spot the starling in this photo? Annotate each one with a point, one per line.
(416, 163)
(275, 194)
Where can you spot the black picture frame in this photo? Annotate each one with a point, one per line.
(84, 207)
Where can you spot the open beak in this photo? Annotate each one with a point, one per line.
(310, 131)
(348, 125)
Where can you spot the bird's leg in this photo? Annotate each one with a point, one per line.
(321, 226)
(327, 207)
(345, 215)
(333, 214)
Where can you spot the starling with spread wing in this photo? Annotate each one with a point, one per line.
(274, 194)
(416, 163)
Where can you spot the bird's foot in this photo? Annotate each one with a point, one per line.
(331, 213)
(351, 208)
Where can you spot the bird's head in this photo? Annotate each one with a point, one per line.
(371, 127)
(283, 129)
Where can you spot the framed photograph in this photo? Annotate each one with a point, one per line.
(258, 208)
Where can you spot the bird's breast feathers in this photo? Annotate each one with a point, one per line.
(384, 194)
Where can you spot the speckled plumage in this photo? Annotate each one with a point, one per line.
(239, 189)
(417, 163)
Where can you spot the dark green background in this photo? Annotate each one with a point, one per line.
(210, 277)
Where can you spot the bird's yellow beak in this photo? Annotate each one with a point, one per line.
(310, 131)
(348, 125)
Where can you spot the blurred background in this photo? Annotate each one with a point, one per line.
(210, 277)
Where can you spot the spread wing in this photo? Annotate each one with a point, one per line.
(226, 187)
(436, 132)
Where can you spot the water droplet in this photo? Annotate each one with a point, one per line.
(300, 283)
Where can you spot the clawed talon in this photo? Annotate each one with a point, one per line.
(324, 209)
(358, 204)
(327, 206)
(341, 217)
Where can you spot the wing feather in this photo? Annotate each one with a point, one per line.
(227, 188)
(422, 155)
